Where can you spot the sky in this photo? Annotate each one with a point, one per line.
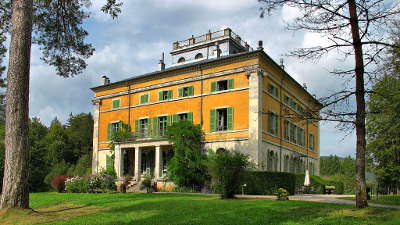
(132, 44)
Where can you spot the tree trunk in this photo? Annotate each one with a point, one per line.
(15, 181)
(361, 191)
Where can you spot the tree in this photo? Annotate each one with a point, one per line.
(383, 132)
(59, 33)
(352, 28)
(226, 169)
(186, 168)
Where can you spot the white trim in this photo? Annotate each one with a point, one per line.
(142, 118)
(227, 131)
(158, 116)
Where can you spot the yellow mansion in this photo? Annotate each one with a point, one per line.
(239, 96)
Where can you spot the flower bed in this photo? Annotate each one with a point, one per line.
(95, 183)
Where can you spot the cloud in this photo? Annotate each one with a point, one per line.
(131, 45)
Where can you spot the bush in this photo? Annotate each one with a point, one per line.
(58, 182)
(82, 167)
(281, 194)
(77, 185)
(147, 184)
(226, 169)
(101, 183)
(57, 169)
(267, 183)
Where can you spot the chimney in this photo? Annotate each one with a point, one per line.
(260, 45)
(105, 80)
(161, 63)
(281, 63)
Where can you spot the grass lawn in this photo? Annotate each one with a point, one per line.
(55, 208)
(382, 199)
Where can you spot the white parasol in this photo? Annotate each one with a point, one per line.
(307, 179)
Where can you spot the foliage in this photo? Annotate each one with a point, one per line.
(58, 182)
(77, 185)
(101, 183)
(226, 169)
(383, 132)
(57, 169)
(266, 183)
(187, 167)
(82, 167)
(184, 190)
(336, 169)
(146, 184)
(281, 193)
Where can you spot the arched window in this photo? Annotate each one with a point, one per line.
(181, 60)
(270, 164)
(221, 150)
(198, 56)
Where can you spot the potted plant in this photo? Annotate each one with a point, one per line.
(281, 194)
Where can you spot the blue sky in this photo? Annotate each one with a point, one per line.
(132, 44)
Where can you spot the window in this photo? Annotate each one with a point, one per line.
(183, 116)
(164, 95)
(286, 100)
(273, 90)
(144, 98)
(186, 91)
(181, 60)
(162, 125)
(198, 56)
(221, 119)
(112, 128)
(222, 85)
(311, 142)
(116, 103)
(292, 133)
(272, 123)
(286, 129)
(143, 127)
(300, 136)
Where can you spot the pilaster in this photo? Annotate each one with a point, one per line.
(138, 162)
(96, 117)
(255, 114)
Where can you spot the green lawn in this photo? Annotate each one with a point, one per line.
(383, 199)
(55, 208)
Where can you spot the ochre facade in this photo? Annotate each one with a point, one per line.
(240, 114)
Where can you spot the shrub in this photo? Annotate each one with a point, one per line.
(184, 190)
(266, 183)
(226, 169)
(58, 182)
(281, 194)
(147, 184)
(77, 185)
(57, 169)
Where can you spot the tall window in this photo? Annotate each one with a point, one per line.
(164, 95)
(183, 116)
(222, 85)
(273, 90)
(222, 119)
(144, 128)
(272, 123)
(186, 91)
(162, 125)
(286, 130)
(311, 142)
(144, 98)
(300, 136)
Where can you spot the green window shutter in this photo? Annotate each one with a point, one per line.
(180, 91)
(115, 104)
(213, 121)
(109, 131)
(109, 162)
(175, 118)
(120, 124)
(159, 95)
(230, 84)
(191, 91)
(230, 118)
(190, 117)
(144, 98)
(213, 86)
(155, 126)
(137, 127)
(170, 94)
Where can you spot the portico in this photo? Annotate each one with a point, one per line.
(142, 157)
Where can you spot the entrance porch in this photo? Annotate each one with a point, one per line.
(145, 158)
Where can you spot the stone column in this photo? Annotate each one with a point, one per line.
(255, 114)
(119, 162)
(138, 162)
(158, 167)
(95, 154)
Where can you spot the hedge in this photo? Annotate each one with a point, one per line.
(266, 183)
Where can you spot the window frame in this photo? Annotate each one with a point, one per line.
(144, 132)
(167, 92)
(116, 100)
(272, 120)
(164, 123)
(273, 90)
